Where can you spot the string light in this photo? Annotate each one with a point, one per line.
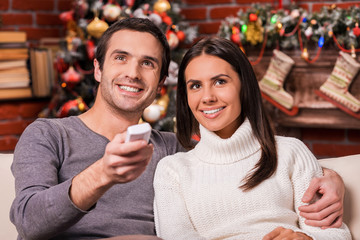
(273, 19)
(321, 41)
(307, 26)
(244, 28)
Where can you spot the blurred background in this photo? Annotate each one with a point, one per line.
(47, 48)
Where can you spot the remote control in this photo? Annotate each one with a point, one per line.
(138, 132)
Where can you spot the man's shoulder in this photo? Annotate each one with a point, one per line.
(165, 142)
(67, 121)
(164, 135)
(163, 138)
(52, 126)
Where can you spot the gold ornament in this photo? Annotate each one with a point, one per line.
(162, 6)
(163, 101)
(97, 27)
(254, 33)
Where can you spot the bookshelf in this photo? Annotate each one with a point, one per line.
(25, 72)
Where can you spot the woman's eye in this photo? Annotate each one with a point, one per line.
(195, 86)
(220, 82)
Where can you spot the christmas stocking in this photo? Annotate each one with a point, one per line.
(272, 84)
(336, 87)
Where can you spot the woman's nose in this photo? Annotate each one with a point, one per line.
(208, 96)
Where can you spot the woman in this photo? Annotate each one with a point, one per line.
(240, 181)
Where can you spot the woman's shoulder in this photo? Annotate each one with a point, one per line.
(177, 161)
(294, 152)
(289, 143)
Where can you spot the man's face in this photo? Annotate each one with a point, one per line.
(130, 77)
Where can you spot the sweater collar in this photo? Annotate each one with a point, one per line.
(215, 150)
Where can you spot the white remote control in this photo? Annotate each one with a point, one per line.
(138, 132)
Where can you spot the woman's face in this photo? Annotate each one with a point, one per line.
(213, 91)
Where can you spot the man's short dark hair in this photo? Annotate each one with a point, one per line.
(139, 25)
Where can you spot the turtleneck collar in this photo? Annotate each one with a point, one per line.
(215, 150)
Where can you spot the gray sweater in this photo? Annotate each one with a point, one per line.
(48, 155)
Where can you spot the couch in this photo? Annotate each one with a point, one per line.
(348, 167)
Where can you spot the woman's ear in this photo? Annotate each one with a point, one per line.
(97, 71)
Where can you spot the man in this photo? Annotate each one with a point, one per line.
(76, 178)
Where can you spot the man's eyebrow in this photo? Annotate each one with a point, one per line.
(118, 51)
(152, 59)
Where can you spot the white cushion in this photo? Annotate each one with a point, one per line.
(348, 168)
(7, 189)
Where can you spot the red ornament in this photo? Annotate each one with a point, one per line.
(282, 32)
(253, 17)
(163, 90)
(167, 20)
(72, 107)
(60, 65)
(235, 30)
(180, 35)
(130, 3)
(67, 16)
(356, 31)
(71, 77)
(90, 49)
(235, 38)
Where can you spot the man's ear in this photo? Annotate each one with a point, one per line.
(161, 84)
(97, 71)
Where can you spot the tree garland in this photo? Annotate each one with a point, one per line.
(277, 28)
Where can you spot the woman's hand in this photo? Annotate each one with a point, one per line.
(284, 233)
(328, 210)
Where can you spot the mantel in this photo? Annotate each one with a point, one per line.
(301, 82)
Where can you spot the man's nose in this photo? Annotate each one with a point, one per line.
(133, 70)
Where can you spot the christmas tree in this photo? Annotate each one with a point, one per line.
(75, 88)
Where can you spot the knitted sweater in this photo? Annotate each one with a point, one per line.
(197, 194)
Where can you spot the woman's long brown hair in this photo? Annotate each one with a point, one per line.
(251, 105)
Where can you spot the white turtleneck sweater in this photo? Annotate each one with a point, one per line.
(197, 194)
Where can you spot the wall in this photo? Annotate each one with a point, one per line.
(15, 116)
(39, 18)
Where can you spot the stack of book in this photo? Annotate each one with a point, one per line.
(14, 73)
(42, 66)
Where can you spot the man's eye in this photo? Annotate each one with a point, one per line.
(121, 58)
(148, 63)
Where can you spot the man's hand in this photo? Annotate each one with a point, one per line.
(284, 233)
(121, 163)
(328, 210)
(124, 162)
